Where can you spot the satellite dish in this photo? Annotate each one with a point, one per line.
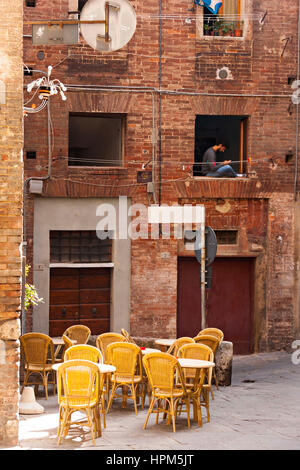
(121, 24)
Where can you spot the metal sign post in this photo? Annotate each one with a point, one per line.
(203, 312)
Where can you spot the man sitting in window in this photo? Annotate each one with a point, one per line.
(220, 169)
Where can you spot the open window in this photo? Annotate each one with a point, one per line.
(96, 139)
(209, 129)
(227, 22)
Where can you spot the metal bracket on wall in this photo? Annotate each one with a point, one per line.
(62, 31)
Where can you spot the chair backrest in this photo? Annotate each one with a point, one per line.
(105, 339)
(67, 341)
(211, 341)
(195, 351)
(126, 357)
(127, 336)
(84, 351)
(80, 333)
(163, 370)
(36, 347)
(180, 342)
(212, 332)
(78, 382)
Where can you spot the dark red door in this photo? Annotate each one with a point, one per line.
(229, 302)
(79, 296)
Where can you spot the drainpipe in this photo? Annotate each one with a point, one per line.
(159, 103)
(297, 109)
(24, 244)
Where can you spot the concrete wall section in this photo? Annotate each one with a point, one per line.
(77, 214)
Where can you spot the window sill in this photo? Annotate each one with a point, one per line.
(99, 168)
(226, 38)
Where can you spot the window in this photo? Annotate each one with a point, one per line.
(96, 140)
(228, 21)
(226, 237)
(209, 129)
(79, 246)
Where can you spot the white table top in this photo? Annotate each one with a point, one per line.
(195, 363)
(149, 350)
(165, 341)
(58, 341)
(103, 368)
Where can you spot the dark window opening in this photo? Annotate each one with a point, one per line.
(226, 237)
(81, 4)
(79, 246)
(31, 155)
(210, 129)
(30, 3)
(96, 140)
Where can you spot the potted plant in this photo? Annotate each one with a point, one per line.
(238, 30)
(31, 295)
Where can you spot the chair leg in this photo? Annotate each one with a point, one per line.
(172, 414)
(149, 411)
(111, 396)
(45, 383)
(133, 391)
(103, 410)
(216, 380)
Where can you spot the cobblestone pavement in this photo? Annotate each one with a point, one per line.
(259, 411)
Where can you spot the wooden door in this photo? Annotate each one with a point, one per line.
(79, 296)
(229, 302)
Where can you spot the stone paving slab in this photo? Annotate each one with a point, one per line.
(259, 411)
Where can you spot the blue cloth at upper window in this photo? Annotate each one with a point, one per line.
(211, 5)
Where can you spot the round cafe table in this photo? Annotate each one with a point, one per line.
(165, 343)
(103, 368)
(149, 350)
(195, 363)
(58, 343)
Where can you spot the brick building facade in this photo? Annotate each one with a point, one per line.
(11, 198)
(168, 89)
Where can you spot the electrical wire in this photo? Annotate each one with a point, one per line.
(117, 185)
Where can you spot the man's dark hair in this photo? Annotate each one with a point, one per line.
(224, 142)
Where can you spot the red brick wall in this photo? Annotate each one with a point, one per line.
(259, 88)
(11, 168)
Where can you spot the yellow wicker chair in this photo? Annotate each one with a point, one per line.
(127, 358)
(213, 342)
(194, 380)
(84, 351)
(80, 333)
(212, 332)
(38, 357)
(173, 349)
(88, 353)
(127, 336)
(78, 390)
(105, 339)
(167, 384)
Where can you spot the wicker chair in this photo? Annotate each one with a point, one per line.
(127, 358)
(195, 383)
(212, 332)
(84, 351)
(213, 342)
(167, 384)
(78, 390)
(127, 336)
(38, 357)
(173, 349)
(80, 333)
(88, 353)
(105, 339)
